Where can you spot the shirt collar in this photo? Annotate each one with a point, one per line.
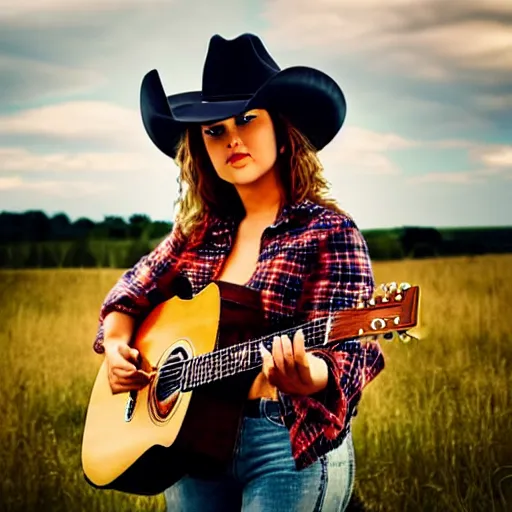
(291, 215)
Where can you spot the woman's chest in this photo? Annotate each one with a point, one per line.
(278, 267)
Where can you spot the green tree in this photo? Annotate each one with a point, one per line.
(79, 255)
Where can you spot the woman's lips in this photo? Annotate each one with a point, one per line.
(237, 157)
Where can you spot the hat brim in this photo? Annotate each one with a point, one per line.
(307, 97)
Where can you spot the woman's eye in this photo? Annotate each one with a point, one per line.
(245, 119)
(214, 131)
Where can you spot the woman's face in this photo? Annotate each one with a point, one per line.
(242, 149)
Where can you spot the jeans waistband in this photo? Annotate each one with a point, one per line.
(257, 407)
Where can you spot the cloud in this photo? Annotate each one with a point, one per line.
(493, 160)
(455, 178)
(22, 160)
(493, 156)
(22, 10)
(55, 47)
(86, 121)
(433, 40)
(362, 151)
(494, 101)
(62, 189)
(24, 79)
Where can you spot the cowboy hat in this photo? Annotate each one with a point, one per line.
(240, 75)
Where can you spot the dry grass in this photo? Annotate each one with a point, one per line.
(432, 433)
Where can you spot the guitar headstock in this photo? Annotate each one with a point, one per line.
(392, 309)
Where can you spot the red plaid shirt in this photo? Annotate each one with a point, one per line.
(312, 262)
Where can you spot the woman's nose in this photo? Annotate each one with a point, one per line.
(234, 139)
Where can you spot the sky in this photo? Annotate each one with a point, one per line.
(427, 139)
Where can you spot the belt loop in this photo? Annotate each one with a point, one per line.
(263, 407)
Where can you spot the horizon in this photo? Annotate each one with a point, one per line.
(126, 219)
(427, 140)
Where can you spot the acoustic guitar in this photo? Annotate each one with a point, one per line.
(204, 352)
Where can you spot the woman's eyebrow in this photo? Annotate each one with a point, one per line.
(219, 123)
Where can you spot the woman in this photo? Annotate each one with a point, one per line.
(252, 212)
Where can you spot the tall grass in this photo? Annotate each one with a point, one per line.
(433, 430)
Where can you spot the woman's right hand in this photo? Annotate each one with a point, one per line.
(123, 372)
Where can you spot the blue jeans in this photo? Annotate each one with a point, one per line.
(263, 477)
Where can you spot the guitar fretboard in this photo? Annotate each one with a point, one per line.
(229, 361)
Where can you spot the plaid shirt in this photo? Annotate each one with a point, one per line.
(312, 262)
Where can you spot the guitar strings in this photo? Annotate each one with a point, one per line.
(236, 354)
(229, 357)
(251, 343)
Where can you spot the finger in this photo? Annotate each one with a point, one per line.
(301, 360)
(125, 388)
(137, 380)
(277, 354)
(129, 353)
(269, 368)
(125, 382)
(287, 357)
(120, 364)
(267, 359)
(146, 375)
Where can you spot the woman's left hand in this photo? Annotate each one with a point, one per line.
(291, 369)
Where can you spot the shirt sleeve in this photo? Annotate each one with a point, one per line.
(342, 276)
(130, 295)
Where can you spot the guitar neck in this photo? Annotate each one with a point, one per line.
(397, 311)
(242, 357)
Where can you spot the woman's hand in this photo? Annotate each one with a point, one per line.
(123, 374)
(293, 370)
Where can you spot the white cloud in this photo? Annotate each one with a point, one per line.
(456, 178)
(494, 161)
(431, 40)
(10, 10)
(10, 183)
(361, 151)
(86, 120)
(495, 101)
(23, 78)
(494, 156)
(22, 160)
(56, 188)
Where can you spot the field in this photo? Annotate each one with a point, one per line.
(433, 431)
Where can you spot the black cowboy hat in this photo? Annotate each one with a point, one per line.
(240, 75)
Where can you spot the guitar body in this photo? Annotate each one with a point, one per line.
(145, 445)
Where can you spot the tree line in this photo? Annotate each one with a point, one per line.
(34, 240)
(36, 226)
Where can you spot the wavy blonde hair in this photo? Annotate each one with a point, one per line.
(202, 192)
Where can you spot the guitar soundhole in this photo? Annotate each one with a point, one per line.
(169, 374)
(165, 389)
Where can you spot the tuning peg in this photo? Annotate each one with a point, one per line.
(404, 337)
(392, 287)
(378, 324)
(386, 290)
(389, 336)
(360, 303)
(404, 286)
(371, 302)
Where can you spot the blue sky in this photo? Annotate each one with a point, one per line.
(427, 139)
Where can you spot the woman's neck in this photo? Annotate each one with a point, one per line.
(263, 199)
